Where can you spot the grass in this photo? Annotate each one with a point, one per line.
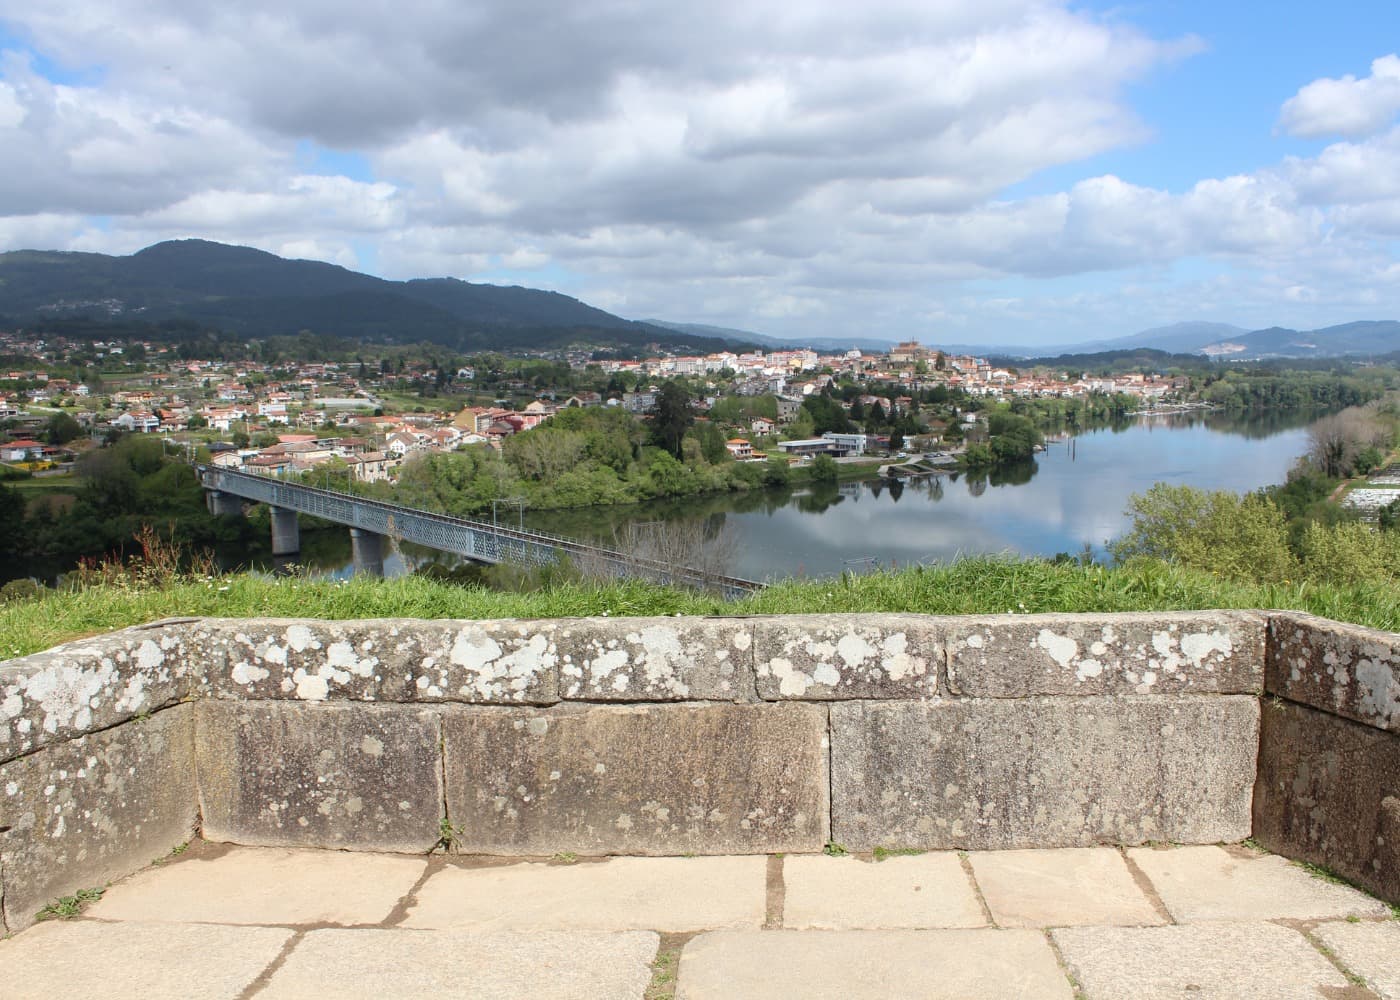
(881, 853)
(67, 907)
(175, 852)
(663, 975)
(835, 850)
(1328, 875)
(969, 586)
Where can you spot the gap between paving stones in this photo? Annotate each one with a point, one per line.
(663, 979)
(966, 864)
(776, 892)
(1074, 986)
(1358, 990)
(265, 977)
(1145, 886)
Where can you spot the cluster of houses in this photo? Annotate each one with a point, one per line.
(909, 363)
(300, 403)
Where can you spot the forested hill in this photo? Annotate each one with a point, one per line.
(254, 293)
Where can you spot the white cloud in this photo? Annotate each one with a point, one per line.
(1348, 106)
(810, 166)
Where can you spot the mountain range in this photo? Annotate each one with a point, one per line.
(255, 293)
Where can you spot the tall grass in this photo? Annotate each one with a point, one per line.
(968, 586)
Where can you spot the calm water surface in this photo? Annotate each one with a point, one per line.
(1074, 494)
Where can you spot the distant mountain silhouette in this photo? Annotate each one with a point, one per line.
(253, 292)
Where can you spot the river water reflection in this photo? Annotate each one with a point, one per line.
(1072, 495)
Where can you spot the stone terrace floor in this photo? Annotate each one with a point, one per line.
(1188, 922)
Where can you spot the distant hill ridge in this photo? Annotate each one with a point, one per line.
(254, 292)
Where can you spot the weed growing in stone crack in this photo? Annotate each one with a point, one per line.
(175, 852)
(663, 976)
(67, 907)
(1254, 845)
(565, 857)
(835, 850)
(1328, 875)
(448, 835)
(881, 853)
(1317, 871)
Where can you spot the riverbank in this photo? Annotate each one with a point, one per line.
(967, 586)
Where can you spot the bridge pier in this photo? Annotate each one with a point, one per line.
(286, 535)
(367, 550)
(221, 503)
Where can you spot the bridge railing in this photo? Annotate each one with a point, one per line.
(397, 520)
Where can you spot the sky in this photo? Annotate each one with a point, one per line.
(956, 171)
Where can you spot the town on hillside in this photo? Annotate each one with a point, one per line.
(373, 413)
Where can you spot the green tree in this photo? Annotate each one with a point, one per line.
(672, 417)
(12, 531)
(826, 415)
(1349, 553)
(711, 441)
(776, 471)
(62, 428)
(1244, 538)
(824, 469)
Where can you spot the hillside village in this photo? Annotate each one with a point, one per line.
(279, 418)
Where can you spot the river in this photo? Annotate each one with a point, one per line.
(1073, 495)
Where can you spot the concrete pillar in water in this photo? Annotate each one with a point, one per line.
(221, 503)
(367, 548)
(286, 536)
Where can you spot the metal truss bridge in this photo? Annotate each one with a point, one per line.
(370, 521)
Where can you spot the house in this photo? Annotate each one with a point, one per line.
(584, 399)
(137, 421)
(268, 465)
(762, 426)
(401, 443)
(739, 448)
(21, 451)
(788, 409)
(369, 467)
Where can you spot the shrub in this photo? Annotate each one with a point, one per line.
(1244, 538)
(824, 469)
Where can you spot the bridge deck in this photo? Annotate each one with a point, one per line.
(480, 541)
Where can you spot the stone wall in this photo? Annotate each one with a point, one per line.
(652, 736)
(1329, 761)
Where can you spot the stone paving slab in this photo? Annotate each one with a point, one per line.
(660, 894)
(1211, 883)
(1371, 950)
(929, 890)
(423, 965)
(871, 965)
(265, 886)
(1214, 961)
(1064, 888)
(136, 961)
